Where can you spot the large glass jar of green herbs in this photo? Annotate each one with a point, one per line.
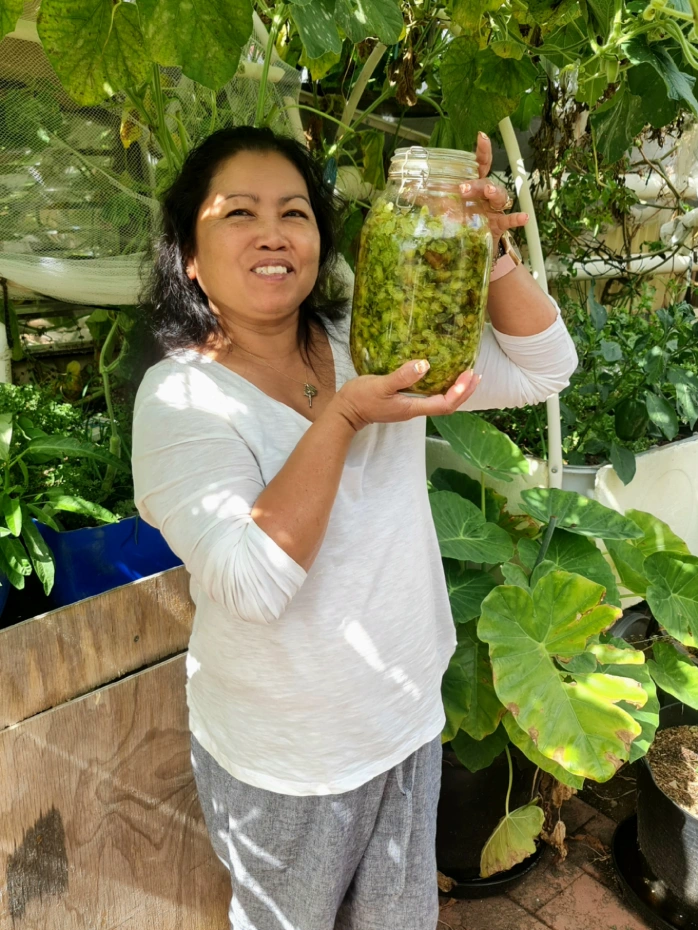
(423, 270)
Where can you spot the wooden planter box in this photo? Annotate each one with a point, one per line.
(100, 822)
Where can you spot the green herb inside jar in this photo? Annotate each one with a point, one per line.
(420, 292)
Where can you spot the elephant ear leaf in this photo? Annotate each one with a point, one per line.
(675, 673)
(513, 840)
(629, 555)
(589, 734)
(578, 514)
(672, 594)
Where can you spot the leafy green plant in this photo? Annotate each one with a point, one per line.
(636, 386)
(25, 447)
(543, 638)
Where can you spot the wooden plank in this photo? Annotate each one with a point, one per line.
(101, 823)
(59, 655)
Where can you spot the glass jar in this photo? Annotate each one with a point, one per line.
(423, 270)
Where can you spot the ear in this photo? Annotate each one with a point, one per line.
(190, 269)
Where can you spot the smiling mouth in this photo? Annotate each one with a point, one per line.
(272, 271)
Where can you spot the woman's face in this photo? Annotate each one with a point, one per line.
(257, 242)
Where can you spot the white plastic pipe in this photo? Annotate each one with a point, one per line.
(535, 251)
(599, 268)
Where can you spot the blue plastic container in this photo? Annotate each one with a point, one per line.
(96, 559)
(4, 591)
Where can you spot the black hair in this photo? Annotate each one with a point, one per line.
(177, 311)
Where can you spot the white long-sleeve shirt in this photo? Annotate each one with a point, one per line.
(310, 683)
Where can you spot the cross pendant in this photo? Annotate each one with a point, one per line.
(310, 391)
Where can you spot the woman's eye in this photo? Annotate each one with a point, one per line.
(240, 211)
(296, 213)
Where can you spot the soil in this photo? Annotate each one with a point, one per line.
(615, 798)
(673, 759)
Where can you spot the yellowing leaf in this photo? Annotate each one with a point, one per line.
(513, 840)
(588, 734)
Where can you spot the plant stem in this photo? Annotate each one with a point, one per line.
(358, 90)
(105, 370)
(483, 501)
(549, 530)
(511, 779)
(279, 16)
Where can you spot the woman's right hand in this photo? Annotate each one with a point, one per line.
(377, 398)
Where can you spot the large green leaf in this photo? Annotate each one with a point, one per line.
(662, 414)
(72, 504)
(513, 840)
(455, 693)
(672, 594)
(204, 38)
(657, 108)
(39, 553)
(12, 512)
(648, 715)
(524, 742)
(616, 123)
(66, 447)
(95, 46)
(603, 12)
(675, 673)
(629, 555)
(485, 710)
(563, 47)
(679, 86)
(576, 722)
(467, 589)
(10, 11)
(470, 107)
(360, 19)
(447, 479)
(482, 445)
(464, 533)
(317, 27)
(477, 754)
(5, 435)
(572, 553)
(509, 77)
(468, 13)
(14, 561)
(578, 514)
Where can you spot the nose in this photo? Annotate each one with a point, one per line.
(271, 235)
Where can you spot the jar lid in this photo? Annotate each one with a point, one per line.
(419, 162)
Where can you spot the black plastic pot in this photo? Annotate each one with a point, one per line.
(471, 805)
(667, 834)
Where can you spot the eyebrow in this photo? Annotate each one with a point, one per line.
(282, 200)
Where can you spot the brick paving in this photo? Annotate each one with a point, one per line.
(577, 894)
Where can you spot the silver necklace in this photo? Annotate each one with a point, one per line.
(309, 390)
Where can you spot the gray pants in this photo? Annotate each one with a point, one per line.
(361, 860)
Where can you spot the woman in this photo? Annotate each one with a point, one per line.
(295, 493)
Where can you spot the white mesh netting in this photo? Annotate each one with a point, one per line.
(79, 185)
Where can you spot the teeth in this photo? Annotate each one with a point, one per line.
(271, 269)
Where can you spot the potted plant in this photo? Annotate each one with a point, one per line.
(533, 601)
(33, 495)
(66, 510)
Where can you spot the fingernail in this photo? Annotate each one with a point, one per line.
(483, 135)
(525, 216)
(478, 379)
(466, 187)
(421, 366)
(491, 189)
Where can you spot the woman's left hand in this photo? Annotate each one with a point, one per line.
(492, 195)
